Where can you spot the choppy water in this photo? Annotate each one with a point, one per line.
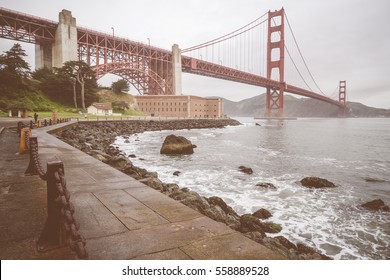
(352, 153)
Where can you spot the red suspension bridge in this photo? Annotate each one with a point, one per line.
(253, 54)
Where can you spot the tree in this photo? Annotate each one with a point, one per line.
(77, 71)
(43, 74)
(120, 86)
(13, 67)
(13, 61)
(68, 73)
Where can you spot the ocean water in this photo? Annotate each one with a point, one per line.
(352, 153)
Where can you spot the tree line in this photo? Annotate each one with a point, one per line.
(74, 84)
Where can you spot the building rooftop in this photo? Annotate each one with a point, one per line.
(102, 106)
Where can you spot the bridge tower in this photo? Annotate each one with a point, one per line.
(64, 47)
(275, 61)
(343, 98)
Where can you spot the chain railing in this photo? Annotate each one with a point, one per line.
(60, 227)
(40, 123)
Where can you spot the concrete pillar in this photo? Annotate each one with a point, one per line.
(43, 56)
(176, 67)
(65, 44)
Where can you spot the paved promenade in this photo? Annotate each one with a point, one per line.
(120, 217)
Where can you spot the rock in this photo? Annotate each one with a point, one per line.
(132, 156)
(194, 146)
(307, 252)
(170, 188)
(99, 157)
(315, 182)
(262, 214)
(176, 145)
(266, 186)
(176, 173)
(151, 174)
(250, 223)
(193, 200)
(285, 242)
(153, 183)
(119, 162)
(100, 153)
(217, 201)
(376, 205)
(271, 227)
(246, 170)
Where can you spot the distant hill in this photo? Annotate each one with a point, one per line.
(299, 107)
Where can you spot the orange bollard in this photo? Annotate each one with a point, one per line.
(22, 144)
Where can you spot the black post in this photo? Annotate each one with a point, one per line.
(31, 170)
(52, 235)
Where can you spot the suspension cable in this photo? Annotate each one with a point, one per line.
(303, 59)
(228, 36)
(292, 60)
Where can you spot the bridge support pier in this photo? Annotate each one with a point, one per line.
(64, 47)
(43, 56)
(274, 102)
(176, 70)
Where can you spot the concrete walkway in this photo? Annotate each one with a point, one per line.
(120, 217)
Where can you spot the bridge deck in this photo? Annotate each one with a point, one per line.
(120, 217)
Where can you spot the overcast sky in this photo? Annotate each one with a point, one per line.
(340, 39)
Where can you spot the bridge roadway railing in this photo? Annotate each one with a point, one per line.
(60, 227)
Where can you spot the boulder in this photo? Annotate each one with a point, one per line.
(119, 162)
(154, 183)
(170, 188)
(271, 227)
(376, 205)
(285, 242)
(246, 170)
(176, 145)
(315, 182)
(217, 201)
(262, 214)
(250, 223)
(176, 173)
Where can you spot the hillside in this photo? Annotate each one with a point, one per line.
(106, 95)
(299, 107)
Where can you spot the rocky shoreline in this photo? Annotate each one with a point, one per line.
(96, 140)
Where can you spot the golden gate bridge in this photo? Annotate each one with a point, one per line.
(257, 54)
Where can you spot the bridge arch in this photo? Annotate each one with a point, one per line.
(140, 78)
